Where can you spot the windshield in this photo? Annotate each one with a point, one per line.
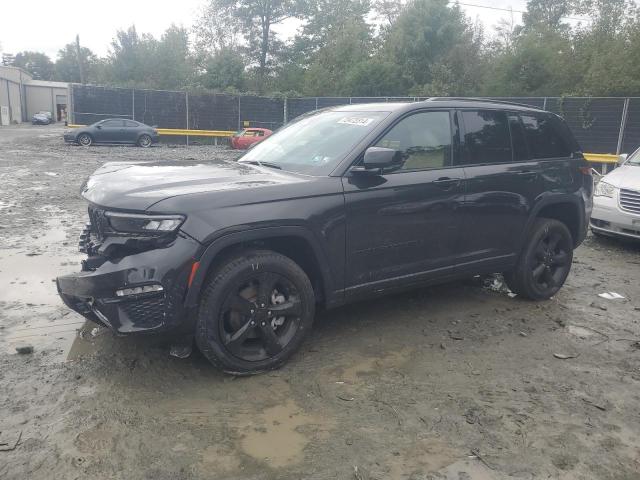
(315, 144)
(634, 159)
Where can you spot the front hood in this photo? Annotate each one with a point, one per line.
(626, 176)
(137, 186)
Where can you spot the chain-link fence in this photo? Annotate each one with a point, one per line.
(600, 124)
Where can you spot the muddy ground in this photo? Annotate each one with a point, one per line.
(457, 381)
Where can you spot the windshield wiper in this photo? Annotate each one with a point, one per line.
(263, 164)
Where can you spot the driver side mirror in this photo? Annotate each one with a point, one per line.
(622, 158)
(376, 159)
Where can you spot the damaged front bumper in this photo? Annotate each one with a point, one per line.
(136, 292)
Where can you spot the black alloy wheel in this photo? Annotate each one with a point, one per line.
(255, 311)
(551, 263)
(261, 317)
(545, 261)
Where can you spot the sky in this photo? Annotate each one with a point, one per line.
(46, 26)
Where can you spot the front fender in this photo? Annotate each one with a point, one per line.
(236, 238)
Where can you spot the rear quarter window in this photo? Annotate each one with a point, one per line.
(547, 136)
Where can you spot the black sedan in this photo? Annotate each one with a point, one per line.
(114, 130)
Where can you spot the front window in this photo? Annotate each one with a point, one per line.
(424, 140)
(315, 144)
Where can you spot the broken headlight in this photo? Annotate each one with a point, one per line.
(144, 224)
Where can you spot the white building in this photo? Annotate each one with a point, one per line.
(21, 96)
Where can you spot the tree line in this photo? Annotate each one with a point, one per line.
(371, 48)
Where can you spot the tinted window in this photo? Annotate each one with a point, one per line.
(517, 139)
(545, 136)
(315, 143)
(486, 137)
(424, 140)
(129, 123)
(112, 123)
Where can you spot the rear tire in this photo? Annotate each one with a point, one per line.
(144, 141)
(545, 261)
(85, 140)
(256, 310)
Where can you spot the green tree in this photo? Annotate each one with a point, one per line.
(547, 15)
(336, 37)
(173, 67)
(435, 43)
(375, 78)
(37, 64)
(130, 57)
(255, 19)
(223, 71)
(69, 64)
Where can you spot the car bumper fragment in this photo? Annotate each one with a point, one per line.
(92, 292)
(608, 218)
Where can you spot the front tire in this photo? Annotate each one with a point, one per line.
(255, 312)
(545, 261)
(144, 141)
(85, 140)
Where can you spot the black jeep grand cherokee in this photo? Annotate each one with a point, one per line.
(341, 204)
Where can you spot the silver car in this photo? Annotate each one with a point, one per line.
(616, 200)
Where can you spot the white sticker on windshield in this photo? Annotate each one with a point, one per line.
(360, 121)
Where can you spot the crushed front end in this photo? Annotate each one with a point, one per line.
(136, 273)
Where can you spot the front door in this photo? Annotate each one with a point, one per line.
(110, 131)
(404, 224)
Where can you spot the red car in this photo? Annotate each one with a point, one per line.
(247, 137)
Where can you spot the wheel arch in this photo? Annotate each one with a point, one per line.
(567, 209)
(295, 242)
(142, 134)
(89, 134)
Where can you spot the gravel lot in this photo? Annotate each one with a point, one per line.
(457, 381)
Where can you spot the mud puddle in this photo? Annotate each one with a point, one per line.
(279, 435)
(31, 313)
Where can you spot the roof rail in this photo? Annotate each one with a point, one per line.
(479, 99)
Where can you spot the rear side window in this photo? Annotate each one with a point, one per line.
(486, 137)
(112, 123)
(546, 136)
(423, 138)
(130, 124)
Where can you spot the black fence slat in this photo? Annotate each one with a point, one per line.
(160, 108)
(213, 112)
(631, 138)
(261, 112)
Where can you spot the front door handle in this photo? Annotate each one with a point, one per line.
(528, 174)
(447, 182)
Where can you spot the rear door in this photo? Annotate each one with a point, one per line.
(502, 185)
(404, 225)
(552, 146)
